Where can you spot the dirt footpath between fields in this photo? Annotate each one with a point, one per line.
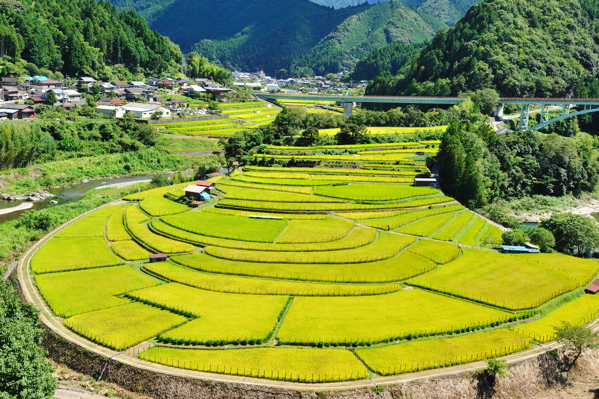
(532, 379)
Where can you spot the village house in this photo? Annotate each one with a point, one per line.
(120, 85)
(145, 111)
(8, 81)
(106, 87)
(16, 111)
(49, 83)
(14, 94)
(85, 82)
(110, 110)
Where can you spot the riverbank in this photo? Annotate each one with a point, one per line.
(21, 207)
(537, 208)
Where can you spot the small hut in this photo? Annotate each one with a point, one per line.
(157, 258)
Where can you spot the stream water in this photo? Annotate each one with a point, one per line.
(72, 193)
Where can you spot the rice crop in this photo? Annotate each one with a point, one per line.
(115, 227)
(155, 192)
(91, 225)
(234, 183)
(449, 232)
(469, 238)
(374, 192)
(119, 327)
(394, 222)
(251, 194)
(392, 130)
(160, 206)
(378, 318)
(285, 364)
(430, 354)
(333, 171)
(221, 316)
(71, 293)
(438, 252)
(130, 250)
(257, 286)
(272, 175)
(313, 231)
(227, 226)
(427, 226)
(395, 269)
(357, 238)
(513, 282)
(387, 246)
(73, 253)
(578, 312)
(285, 182)
(491, 237)
(290, 216)
(150, 240)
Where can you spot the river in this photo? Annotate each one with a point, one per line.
(72, 193)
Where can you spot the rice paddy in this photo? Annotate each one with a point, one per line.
(296, 268)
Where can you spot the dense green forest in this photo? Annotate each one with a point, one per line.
(80, 37)
(285, 37)
(521, 48)
(387, 58)
(358, 35)
(478, 166)
(345, 3)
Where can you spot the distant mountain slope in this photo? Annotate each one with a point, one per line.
(388, 58)
(528, 48)
(358, 35)
(448, 11)
(283, 34)
(345, 3)
(81, 38)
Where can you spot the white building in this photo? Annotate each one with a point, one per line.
(110, 110)
(145, 111)
(272, 87)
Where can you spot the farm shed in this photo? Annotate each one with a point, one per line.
(514, 249)
(193, 191)
(209, 185)
(425, 182)
(593, 288)
(157, 258)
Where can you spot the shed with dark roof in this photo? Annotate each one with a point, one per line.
(158, 258)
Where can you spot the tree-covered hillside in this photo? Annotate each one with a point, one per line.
(358, 35)
(448, 11)
(80, 37)
(290, 36)
(387, 58)
(528, 48)
(345, 3)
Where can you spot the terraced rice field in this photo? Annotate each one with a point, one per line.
(498, 279)
(324, 261)
(577, 313)
(430, 354)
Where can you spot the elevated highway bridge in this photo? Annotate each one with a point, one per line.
(582, 105)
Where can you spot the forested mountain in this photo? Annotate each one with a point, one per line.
(387, 58)
(358, 35)
(448, 11)
(80, 37)
(529, 48)
(345, 3)
(283, 35)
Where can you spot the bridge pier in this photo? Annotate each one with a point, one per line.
(498, 111)
(347, 108)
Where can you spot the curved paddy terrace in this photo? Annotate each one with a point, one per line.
(304, 275)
